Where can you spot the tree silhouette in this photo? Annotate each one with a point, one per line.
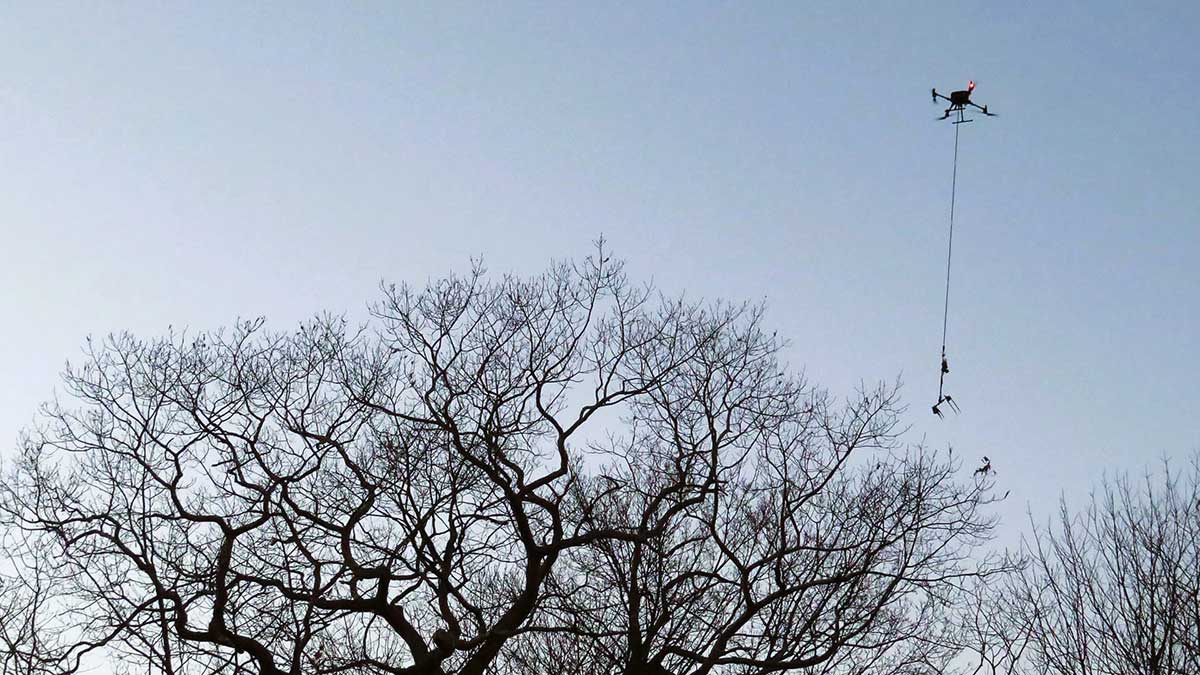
(1116, 587)
(562, 472)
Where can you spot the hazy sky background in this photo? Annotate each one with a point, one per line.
(188, 165)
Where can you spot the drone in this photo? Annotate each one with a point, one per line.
(959, 100)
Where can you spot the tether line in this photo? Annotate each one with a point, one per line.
(949, 253)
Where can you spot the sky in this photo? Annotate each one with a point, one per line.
(172, 164)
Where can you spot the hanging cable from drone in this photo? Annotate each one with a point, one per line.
(959, 100)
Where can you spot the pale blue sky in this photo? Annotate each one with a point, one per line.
(171, 164)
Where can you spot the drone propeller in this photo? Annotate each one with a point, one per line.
(934, 93)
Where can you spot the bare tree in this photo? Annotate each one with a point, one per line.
(762, 545)
(1114, 589)
(27, 598)
(499, 474)
(994, 631)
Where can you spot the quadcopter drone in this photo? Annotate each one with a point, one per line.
(959, 100)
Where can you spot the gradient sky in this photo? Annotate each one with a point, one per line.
(188, 165)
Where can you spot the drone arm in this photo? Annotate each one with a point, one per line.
(936, 95)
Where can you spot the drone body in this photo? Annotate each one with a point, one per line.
(959, 100)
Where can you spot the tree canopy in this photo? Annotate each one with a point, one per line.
(569, 472)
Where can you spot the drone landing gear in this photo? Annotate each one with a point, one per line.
(959, 112)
